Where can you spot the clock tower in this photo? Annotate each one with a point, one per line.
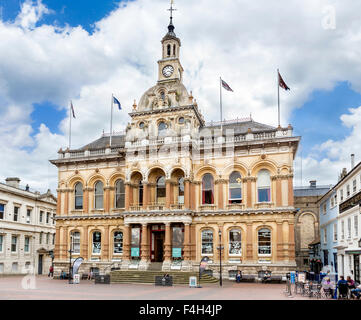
(170, 67)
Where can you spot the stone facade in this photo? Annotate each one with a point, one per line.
(27, 229)
(172, 188)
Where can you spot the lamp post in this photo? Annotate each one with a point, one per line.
(220, 257)
(70, 252)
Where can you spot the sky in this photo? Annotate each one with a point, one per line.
(54, 51)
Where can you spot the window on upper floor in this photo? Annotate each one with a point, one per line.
(14, 242)
(354, 186)
(207, 189)
(341, 195)
(2, 211)
(118, 242)
(16, 213)
(349, 228)
(342, 230)
(161, 190)
(332, 202)
(98, 195)
(28, 215)
(264, 241)
(27, 244)
(335, 197)
(334, 232)
(348, 192)
(162, 127)
(355, 221)
(235, 187)
(324, 208)
(97, 238)
(41, 217)
(75, 241)
(119, 194)
(324, 235)
(47, 217)
(78, 195)
(1, 242)
(264, 186)
(181, 190)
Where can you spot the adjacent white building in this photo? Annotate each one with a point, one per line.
(348, 191)
(27, 229)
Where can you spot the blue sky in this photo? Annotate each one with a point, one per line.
(43, 65)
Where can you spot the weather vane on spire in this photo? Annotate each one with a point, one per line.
(171, 10)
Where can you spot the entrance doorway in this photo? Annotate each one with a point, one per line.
(40, 265)
(356, 261)
(157, 243)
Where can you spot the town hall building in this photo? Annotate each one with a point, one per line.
(173, 189)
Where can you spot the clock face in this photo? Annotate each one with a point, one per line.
(168, 71)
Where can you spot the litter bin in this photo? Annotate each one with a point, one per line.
(102, 279)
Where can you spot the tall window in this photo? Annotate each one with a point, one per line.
(98, 194)
(342, 229)
(118, 242)
(341, 195)
(349, 228)
(168, 50)
(207, 242)
(140, 193)
(354, 185)
(14, 241)
(181, 190)
(47, 217)
(1, 242)
(78, 195)
(97, 242)
(348, 190)
(28, 215)
(264, 186)
(335, 232)
(119, 194)
(27, 244)
(325, 235)
(235, 187)
(41, 238)
(355, 221)
(174, 49)
(264, 241)
(16, 213)
(135, 243)
(41, 216)
(235, 245)
(75, 241)
(161, 190)
(162, 127)
(207, 189)
(2, 210)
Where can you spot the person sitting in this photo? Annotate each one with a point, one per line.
(342, 287)
(350, 283)
(90, 274)
(356, 293)
(266, 276)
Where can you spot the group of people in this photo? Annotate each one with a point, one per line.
(353, 287)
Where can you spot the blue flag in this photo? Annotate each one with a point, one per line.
(116, 101)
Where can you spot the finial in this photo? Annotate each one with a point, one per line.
(191, 97)
(134, 105)
(171, 27)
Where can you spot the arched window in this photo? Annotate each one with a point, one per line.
(118, 242)
(264, 186)
(181, 190)
(162, 95)
(168, 50)
(160, 196)
(235, 187)
(264, 241)
(207, 241)
(140, 193)
(78, 191)
(162, 127)
(119, 194)
(75, 241)
(174, 50)
(235, 244)
(97, 242)
(207, 189)
(98, 195)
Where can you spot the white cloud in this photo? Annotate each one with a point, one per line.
(241, 41)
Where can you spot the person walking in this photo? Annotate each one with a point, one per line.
(238, 276)
(51, 271)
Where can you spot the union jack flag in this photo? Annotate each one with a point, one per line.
(281, 83)
(226, 86)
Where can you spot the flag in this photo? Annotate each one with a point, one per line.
(281, 83)
(72, 109)
(116, 101)
(226, 86)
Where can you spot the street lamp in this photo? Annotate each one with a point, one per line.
(70, 252)
(220, 257)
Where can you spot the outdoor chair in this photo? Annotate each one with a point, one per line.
(315, 291)
(343, 291)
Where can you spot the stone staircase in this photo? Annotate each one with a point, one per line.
(155, 266)
(148, 276)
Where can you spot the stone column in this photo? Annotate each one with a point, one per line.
(57, 243)
(187, 193)
(168, 187)
(126, 242)
(105, 245)
(167, 243)
(290, 190)
(220, 185)
(86, 200)
(65, 247)
(107, 199)
(186, 244)
(128, 191)
(291, 241)
(279, 241)
(249, 244)
(144, 245)
(66, 202)
(145, 195)
(84, 241)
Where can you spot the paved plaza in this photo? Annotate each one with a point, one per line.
(44, 288)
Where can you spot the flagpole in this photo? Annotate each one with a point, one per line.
(278, 87)
(220, 101)
(111, 120)
(70, 115)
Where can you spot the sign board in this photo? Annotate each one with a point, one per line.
(76, 265)
(177, 252)
(76, 278)
(135, 252)
(192, 282)
(302, 277)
